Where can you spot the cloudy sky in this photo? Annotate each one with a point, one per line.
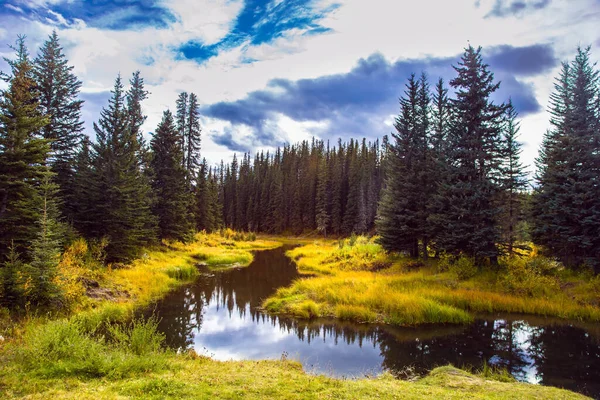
(274, 71)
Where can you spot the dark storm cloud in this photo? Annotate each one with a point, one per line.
(358, 102)
(522, 61)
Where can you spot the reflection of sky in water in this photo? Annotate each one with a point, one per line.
(224, 336)
(218, 316)
(521, 337)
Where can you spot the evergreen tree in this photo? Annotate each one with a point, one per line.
(22, 153)
(566, 206)
(120, 192)
(45, 249)
(471, 184)
(172, 198)
(181, 118)
(513, 180)
(136, 118)
(10, 289)
(192, 137)
(205, 217)
(323, 187)
(403, 208)
(58, 96)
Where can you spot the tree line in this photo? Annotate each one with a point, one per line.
(448, 181)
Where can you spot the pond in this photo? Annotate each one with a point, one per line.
(218, 315)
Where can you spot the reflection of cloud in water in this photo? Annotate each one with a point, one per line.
(219, 316)
(226, 337)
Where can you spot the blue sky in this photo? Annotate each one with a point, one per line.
(276, 71)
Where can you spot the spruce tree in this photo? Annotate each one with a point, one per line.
(471, 186)
(513, 179)
(323, 188)
(403, 207)
(566, 206)
(10, 288)
(192, 137)
(203, 212)
(42, 271)
(181, 118)
(136, 118)
(22, 153)
(58, 96)
(121, 194)
(172, 198)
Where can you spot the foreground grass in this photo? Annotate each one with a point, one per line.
(356, 280)
(106, 371)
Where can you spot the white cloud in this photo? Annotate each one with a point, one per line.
(399, 29)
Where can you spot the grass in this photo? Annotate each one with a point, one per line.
(63, 360)
(354, 279)
(93, 354)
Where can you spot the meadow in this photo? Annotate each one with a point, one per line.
(97, 349)
(354, 279)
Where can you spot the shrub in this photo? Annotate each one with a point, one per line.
(463, 267)
(138, 337)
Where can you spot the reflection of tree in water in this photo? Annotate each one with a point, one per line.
(556, 355)
(567, 357)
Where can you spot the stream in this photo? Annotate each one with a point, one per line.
(218, 316)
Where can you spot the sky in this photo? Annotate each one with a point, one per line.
(269, 72)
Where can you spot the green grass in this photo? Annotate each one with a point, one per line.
(62, 360)
(354, 279)
(99, 352)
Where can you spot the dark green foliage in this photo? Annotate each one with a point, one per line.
(304, 187)
(566, 206)
(208, 209)
(513, 181)
(172, 198)
(58, 90)
(41, 272)
(192, 137)
(10, 287)
(118, 189)
(22, 154)
(404, 207)
(467, 206)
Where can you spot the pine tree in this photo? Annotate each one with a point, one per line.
(120, 191)
(10, 288)
(192, 137)
(203, 212)
(181, 118)
(513, 179)
(59, 89)
(566, 206)
(42, 271)
(22, 153)
(403, 208)
(474, 155)
(172, 197)
(323, 188)
(136, 118)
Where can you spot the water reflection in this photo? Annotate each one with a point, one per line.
(218, 316)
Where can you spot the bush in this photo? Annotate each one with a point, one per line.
(529, 277)
(464, 268)
(66, 348)
(138, 337)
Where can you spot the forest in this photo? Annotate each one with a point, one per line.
(448, 180)
(446, 190)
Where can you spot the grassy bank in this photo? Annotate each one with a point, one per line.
(88, 355)
(356, 280)
(95, 293)
(63, 360)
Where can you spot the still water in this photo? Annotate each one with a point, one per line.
(218, 316)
